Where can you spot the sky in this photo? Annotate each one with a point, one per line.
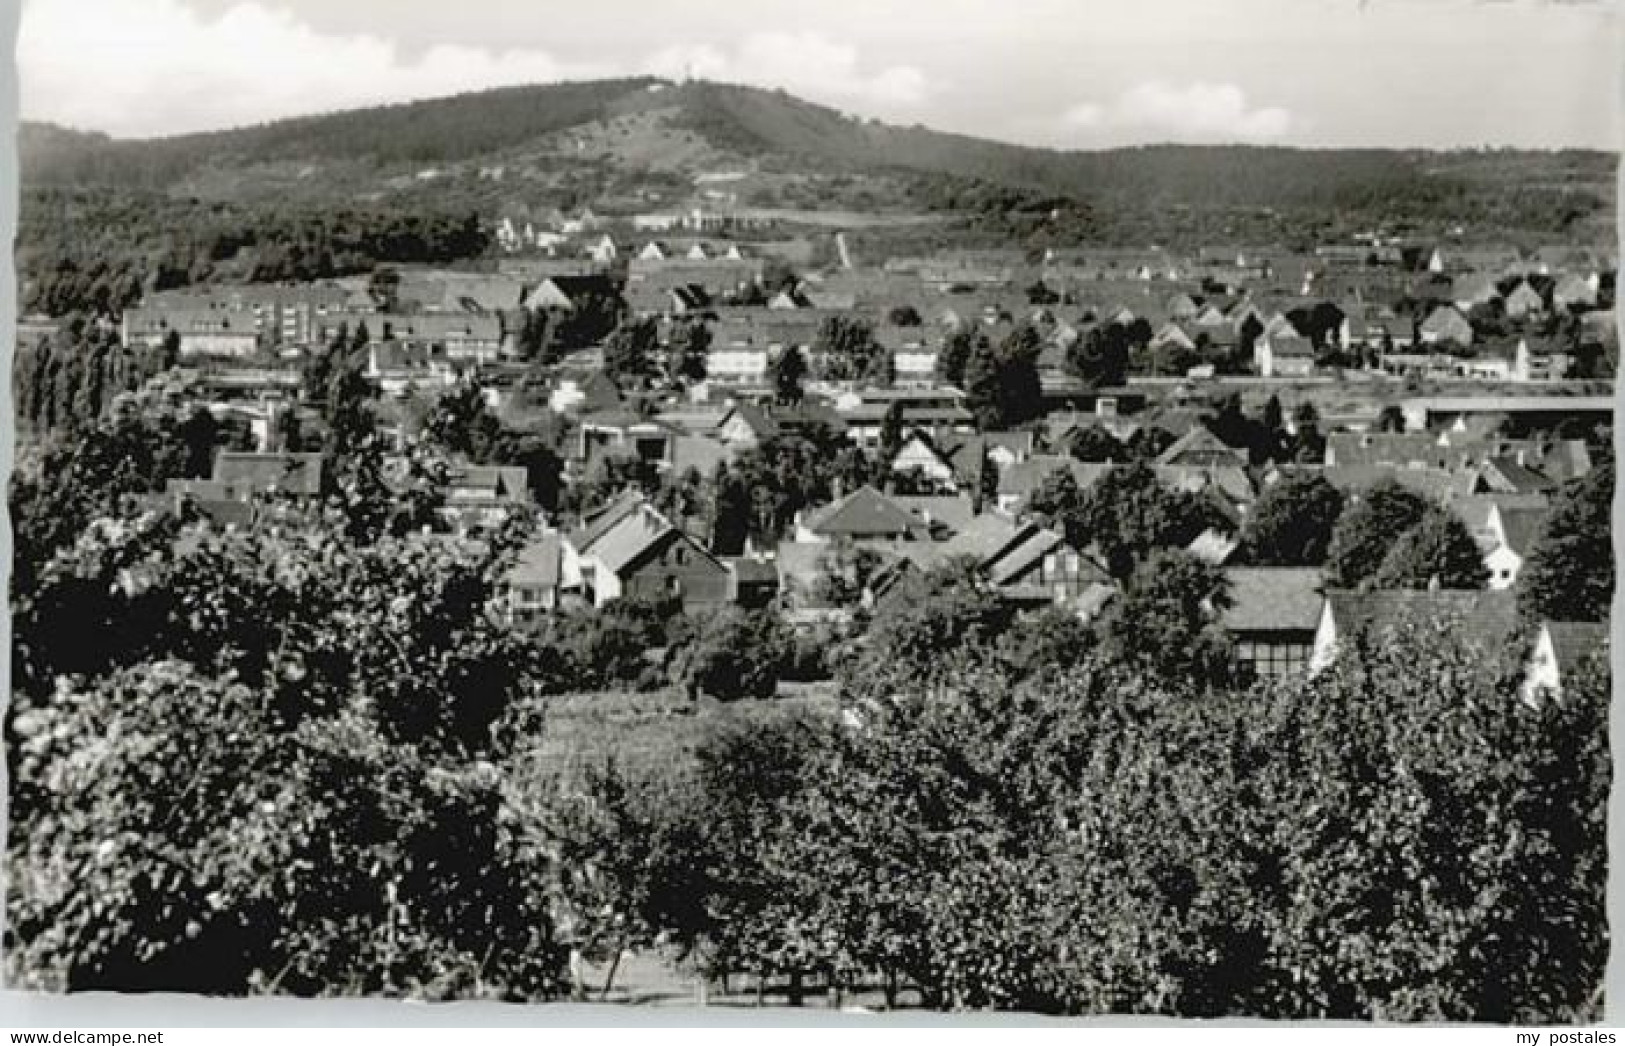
(1066, 73)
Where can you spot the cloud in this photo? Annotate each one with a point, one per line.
(156, 66)
(145, 67)
(802, 63)
(1197, 112)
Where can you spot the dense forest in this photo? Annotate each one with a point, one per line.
(99, 250)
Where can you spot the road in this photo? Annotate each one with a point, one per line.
(846, 255)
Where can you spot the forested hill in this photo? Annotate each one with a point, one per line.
(751, 122)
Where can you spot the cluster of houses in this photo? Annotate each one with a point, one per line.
(1468, 315)
(940, 504)
(953, 492)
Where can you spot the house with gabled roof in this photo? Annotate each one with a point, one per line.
(568, 292)
(1469, 292)
(1200, 446)
(629, 550)
(1483, 619)
(647, 438)
(1019, 482)
(865, 518)
(1283, 356)
(1523, 300)
(1446, 325)
(1172, 336)
(299, 475)
(1561, 649)
(532, 585)
(486, 494)
(1573, 293)
(1026, 562)
(920, 457)
(1511, 533)
(1272, 616)
(746, 425)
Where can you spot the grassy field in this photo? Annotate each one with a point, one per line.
(630, 729)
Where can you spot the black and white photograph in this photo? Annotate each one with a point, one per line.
(844, 511)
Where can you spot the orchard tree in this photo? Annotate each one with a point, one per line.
(289, 789)
(1374, 913)
(1167, 621)
(926, 623)
(736, 654)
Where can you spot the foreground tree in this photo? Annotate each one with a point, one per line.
(1167, 622)
(284, 786)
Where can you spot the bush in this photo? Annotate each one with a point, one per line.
(736, 654)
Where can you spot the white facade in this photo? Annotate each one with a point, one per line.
(736, 365)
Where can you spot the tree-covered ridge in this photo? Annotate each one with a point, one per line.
(100, 250)
(1225, 193)
(441, 130)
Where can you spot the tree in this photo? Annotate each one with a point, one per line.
(903, 316)
(1167, 621)
(925, 624)
(1047, 641)
(737, 654)
(1419, 720)
(629, 352)
(1368, 529)
(1292, 524)
(955, 355)
(1438, 551)
(1039, 293)
(1570, 572)
(1308, 444)
(1128, 513)
(1021, 396)
(1058, 500)
(384, 285)
(1148, 443)
(848, 351)
(348, 412)
(293, 689)
(788, 370)
(460, 422)
(1001, 383)
(1094, 444)
(730, 512)
(891, 431)
(1100, 357)
(689, 343)
(537, 339)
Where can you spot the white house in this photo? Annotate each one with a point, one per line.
(1561, 647)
